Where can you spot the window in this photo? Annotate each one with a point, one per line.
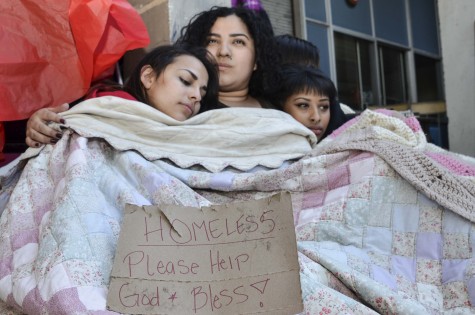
(379, 53)
(428, 78)
(393, 76)
(353, 71)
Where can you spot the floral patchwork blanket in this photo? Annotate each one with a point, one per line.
(384, 220)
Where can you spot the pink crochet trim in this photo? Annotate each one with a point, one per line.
(452, 164)
(413, 123)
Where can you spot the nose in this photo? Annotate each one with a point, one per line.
(224, 50)
(195, 94)
(314, 115)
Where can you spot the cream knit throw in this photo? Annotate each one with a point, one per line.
(402, 144)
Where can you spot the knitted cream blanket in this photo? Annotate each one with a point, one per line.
(242, 138)
(443, 176)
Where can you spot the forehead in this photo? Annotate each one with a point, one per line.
(229, 24)
(189, 63)
(310, 93)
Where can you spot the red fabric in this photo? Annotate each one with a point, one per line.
(2, 140)
(51, 51)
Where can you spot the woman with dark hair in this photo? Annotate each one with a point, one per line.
(244, 47)
(309, 96)
(155, 63)
(173, 79)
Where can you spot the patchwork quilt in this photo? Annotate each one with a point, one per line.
(384, 220)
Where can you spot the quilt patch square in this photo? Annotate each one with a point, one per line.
(383, 276)
(338, 177)
(378, 239)
(457, 246)
(430, 219)
(406, 287)
(406, 218)
(312, 199)
(380, 215)
(361, 190)
(454, 223)
(404, 266)
(429, 271)
(406, 193)
(430, 296)
(360, 169)
(455, 295)
(453, 270)
(403, 244)
(357, 212)
(24, 221)
(383, 190)
(381, 260)
(429, 245)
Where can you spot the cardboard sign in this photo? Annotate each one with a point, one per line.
(228, 259)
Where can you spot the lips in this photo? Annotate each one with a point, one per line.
(223, 66)
(316, 130)
(189, 107)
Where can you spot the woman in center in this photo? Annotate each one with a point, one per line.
(244, 47)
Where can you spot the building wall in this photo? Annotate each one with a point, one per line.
(280, 14)
(457, 33)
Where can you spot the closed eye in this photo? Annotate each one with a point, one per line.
(185, 82)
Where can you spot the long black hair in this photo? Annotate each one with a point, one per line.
(162, 56)
(198, 29)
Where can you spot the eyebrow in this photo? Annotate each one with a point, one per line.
(195, 77)
(191, 73)
(325, 98)
(231, 35)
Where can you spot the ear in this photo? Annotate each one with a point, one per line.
(255, 67)
(146, 76)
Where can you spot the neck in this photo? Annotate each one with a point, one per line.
(238, 99)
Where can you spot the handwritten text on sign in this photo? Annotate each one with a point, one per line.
(233, 258)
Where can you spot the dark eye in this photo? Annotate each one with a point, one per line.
(211, 41)
(302, 105)
(324, 107)
(239, 42)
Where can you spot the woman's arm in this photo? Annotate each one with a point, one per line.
(37, 130)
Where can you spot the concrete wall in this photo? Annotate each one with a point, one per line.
(457, 32)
